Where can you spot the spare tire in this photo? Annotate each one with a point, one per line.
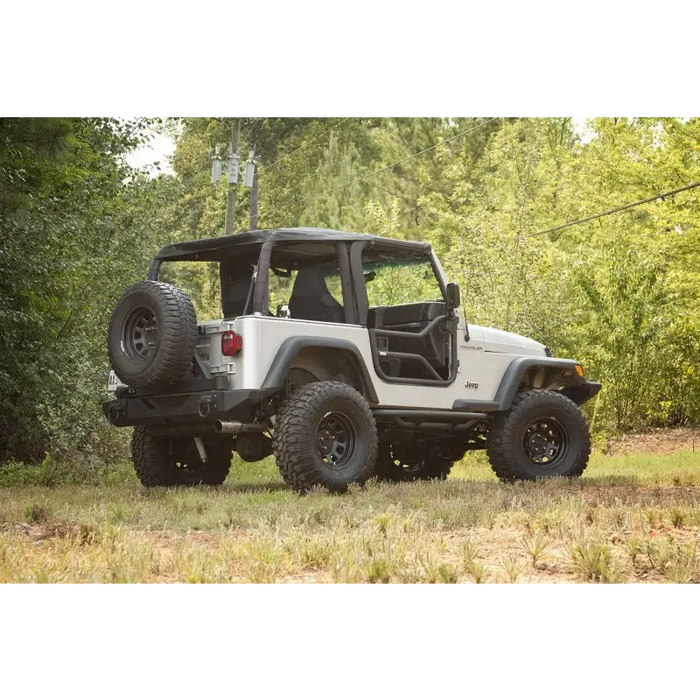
(152, 335)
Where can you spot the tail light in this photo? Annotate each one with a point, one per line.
(231, 343)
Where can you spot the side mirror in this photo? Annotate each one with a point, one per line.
(452, 296)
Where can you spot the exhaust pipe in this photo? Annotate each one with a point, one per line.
(234, 427)
(228, 427)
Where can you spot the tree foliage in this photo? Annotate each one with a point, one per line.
(75, 229)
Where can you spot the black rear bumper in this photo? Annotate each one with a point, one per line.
(192, 407)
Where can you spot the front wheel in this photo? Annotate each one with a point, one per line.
(543, 435)
(325, 435)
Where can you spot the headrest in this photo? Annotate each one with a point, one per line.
(310, 282)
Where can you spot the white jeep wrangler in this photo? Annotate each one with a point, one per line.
(365, 369)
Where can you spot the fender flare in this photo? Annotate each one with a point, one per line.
(579, 391)
(291, 347)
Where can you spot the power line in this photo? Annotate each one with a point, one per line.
(661, 195)
(518, 238)
(383, 189)
(303, 146)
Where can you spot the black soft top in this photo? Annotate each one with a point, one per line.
(224, 247)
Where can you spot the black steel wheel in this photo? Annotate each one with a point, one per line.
(336, 440)
(545, 442)
(140, 334)
(412, 461)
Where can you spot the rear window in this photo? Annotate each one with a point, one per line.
(200, 281)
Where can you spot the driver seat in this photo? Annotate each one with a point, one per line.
(311, 300)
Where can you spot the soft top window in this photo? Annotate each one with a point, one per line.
(237, 286)
(305, 282)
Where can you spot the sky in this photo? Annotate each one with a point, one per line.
(582, 129)
(161, 147)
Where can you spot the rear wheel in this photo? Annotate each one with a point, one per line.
(543, 435)
(411, 462)
(176, 462)
(325, 434)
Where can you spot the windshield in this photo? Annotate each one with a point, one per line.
(394, 282)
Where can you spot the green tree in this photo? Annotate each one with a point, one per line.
(74, 230)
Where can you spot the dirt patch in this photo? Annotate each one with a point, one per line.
(656, 441)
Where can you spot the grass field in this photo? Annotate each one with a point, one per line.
(632, 518)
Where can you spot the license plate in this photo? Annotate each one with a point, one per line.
(113, 382)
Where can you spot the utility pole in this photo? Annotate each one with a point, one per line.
(233, 168)
(254, 202)
(233, 161)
